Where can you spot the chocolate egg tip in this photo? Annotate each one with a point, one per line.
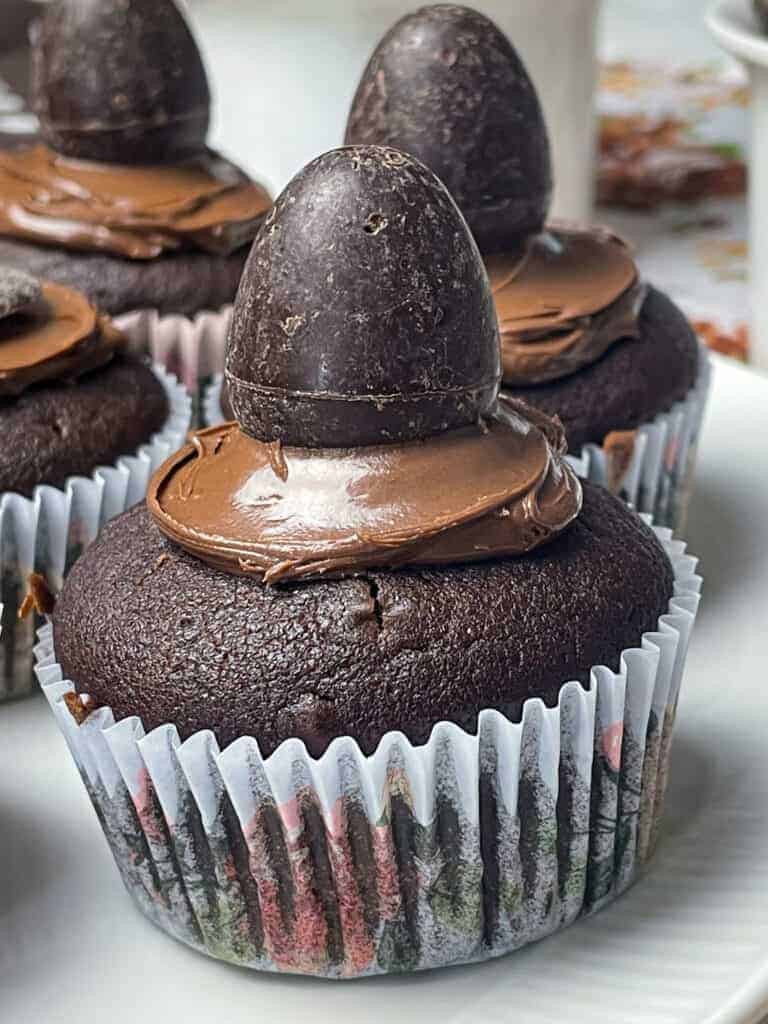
(446, 85)
(364, 314)
(145, 98)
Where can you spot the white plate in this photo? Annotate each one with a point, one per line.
(688, 945)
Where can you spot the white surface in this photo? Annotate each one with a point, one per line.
(734, 25)
(284, 75)
(688, 945)
(659, 30)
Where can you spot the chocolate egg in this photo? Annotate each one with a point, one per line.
(446, 85)
(119, 81)
(364, 314)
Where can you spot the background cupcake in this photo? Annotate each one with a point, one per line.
(350, 590)
(582, 337)
(122, 199)
(73, 403)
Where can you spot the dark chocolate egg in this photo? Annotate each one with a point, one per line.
(364, 313)
(447, 85)
(119, 81)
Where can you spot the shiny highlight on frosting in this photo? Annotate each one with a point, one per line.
(574, 293)
(496, 489)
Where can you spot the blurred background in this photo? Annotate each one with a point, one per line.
(649, 119)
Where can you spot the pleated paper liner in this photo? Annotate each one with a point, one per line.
(653, 472)
(212, 411)
(190, 349)
(461, 849)
(47, 532)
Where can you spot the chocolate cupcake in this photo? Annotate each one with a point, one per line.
(73, 402)
(122, 199)
(385, 593)
(582, 336)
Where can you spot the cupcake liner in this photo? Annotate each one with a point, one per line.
(657, 479)
(458, 850)
(190, 349)
(212, 413)
(47, 532)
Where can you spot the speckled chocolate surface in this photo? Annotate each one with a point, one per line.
(633, 382)
(145, 96)
(152, 631)
(364, 313)
(59, 430)
(184, 282)
(446, 85)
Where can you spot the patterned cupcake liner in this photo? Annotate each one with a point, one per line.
(655, 473)
(212, 411)
(190, 349)
(652, 471)
(47, 532)
(461, 849)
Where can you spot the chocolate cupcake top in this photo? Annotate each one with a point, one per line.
(445, 84)
(48, 332)
(124, 168)
(363, 367)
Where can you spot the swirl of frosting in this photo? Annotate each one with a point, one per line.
(575, 293)
(59, 336)
(277, 513)
(136, 212)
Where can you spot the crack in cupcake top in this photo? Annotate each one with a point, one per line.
(574, 294)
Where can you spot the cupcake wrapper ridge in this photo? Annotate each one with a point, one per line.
(47, 532)
(658, 479)
(190, 349)
(458, 850)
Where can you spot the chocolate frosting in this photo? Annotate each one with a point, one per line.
(498, 488)
(560, 307)
(363, 366)
(60, 336)
(135, 212)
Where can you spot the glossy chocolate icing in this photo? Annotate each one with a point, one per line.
(60, 336)
(135, 212)
(278, 495)
(575, 294)
(488, 491)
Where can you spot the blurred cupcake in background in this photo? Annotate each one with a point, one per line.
(121, 198)
(582, 336)
(373, 682)
(84, 424)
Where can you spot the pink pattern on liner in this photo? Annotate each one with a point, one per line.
(611, 739)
